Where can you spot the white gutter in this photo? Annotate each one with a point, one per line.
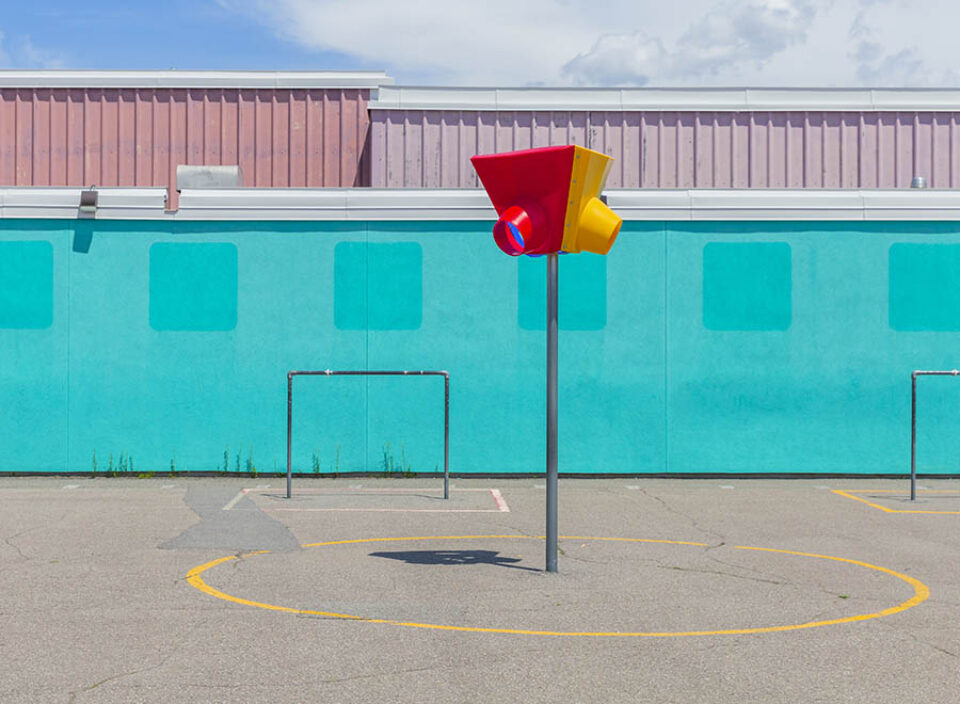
(28, 78)
(374, 204)
(671, 99)
(64, 203)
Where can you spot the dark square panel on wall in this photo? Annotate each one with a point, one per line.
(582, 292)
(26, 285)
(378, 285)
(747, 286)
(924, 286)
(193, 286)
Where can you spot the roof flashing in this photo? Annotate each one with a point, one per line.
(29, 78)
(669, 99)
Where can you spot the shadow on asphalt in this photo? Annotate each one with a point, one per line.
(454, 557)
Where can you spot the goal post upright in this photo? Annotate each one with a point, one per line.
(913, 421)
(332, 372)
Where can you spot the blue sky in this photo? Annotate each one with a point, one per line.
(900, 43)
(184, 34)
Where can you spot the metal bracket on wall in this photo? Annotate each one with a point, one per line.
(88, 203)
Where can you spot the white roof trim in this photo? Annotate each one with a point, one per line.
(672, 99)
(64, 203)
(374, 204)
(799, 205)
(335, 204)
(21, 78)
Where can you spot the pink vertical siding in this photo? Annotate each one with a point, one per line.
(137, 137)
(668, 149)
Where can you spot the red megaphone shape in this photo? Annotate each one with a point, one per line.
(529, 190)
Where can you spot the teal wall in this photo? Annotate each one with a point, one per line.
(706, 347)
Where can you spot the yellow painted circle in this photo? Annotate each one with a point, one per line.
(920, 591)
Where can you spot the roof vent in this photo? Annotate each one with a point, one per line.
(193, 176)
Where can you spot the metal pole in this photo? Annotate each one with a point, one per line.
(552, 483)
(446, 435)
(913, 436)
(289, 433)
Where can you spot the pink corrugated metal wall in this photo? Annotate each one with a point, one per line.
(427, 148)
(325, 137)
(137, 137)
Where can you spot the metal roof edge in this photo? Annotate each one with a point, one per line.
(633, 205)
(48, 78)
(64, 203)
(374, 204)
(672, 99)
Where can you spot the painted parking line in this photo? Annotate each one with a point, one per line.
(852, 494)
(71, 486)
(233, 502)
(495, 494)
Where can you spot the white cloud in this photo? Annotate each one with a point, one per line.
(892, 46)
(22, 53)
(4, 56)
(728, 35)
(621, 59)
(32, 56)
(628, 42)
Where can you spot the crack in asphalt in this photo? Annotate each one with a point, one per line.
(16, 547)
(724, 574)
(677, 512)
(74, 694)
(376, 675)
(20, 552)
(917, 639)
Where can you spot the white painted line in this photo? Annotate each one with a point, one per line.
(539, 486)
(167, 486)
(356, 486)
(393, 510)
(263, 486)
(501, 503)
(726, 486)
(821, 486)
(234, 500)
(72, 486)
(373, 490)
(633, 487)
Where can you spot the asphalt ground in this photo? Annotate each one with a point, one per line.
(379, 590)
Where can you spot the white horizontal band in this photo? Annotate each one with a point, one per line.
(25, 78)
(366, 204)
(672, 99)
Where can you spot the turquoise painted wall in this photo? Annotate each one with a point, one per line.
(707, 347)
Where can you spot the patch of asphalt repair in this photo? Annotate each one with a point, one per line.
(234, 531)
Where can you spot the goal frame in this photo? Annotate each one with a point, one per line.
(343, 372)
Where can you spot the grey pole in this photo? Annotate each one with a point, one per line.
(446, 435)
(913, 436)
(289, 432)
(552, 483)
(913, 421)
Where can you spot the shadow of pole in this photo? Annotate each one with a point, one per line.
(454, 557)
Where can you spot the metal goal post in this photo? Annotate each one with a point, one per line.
(913, 423)
(331, 372)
